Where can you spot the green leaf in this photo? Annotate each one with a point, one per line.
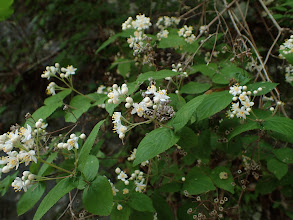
(155, 75)
(225, 184)
(46, 166)
(98, 197)
(207, 70)
(278, 168)
(44, 112)
(5, 9)
(195, 88)
(30, 198)
(123, 214)
(87, 146)
(79, 105)
(5, 184)
(173, 40)
(154, 143)
(162, 207)
(51, 104)
(141, 202)
(213, 103)
(62, 188)
(279, 124)
(284, 154)
(111, 107)
(266, 87)
(58, 98)
(91, 167)
(197, 182)
(247, 126)
(124, 66)
(185, 112)
(266, 185)
(111, 39)
(141, 215)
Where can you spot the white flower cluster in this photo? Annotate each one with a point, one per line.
(71, 143)
(163, 23)
(177, 68)
(132, 157)
(287, 47)
(119, 128)
(136, 177)
(24, 182)
(103, 89)
(114, 190)
(186, 32)
(117, 93)
(203, 29)
(253, 65)
(22, 139)
(140, 24)
(158, 98)
(63, 72)
(242, 108)
(289, 73)
(207, 55)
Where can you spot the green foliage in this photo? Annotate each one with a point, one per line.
(173, 150)
(61, 189)
(30, 198)
(213, 103)
(141, 202)
(86, 148)
(197, 182)
(148, 148)
(5, 9)
(97, 197)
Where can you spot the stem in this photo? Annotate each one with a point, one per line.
(52, 165)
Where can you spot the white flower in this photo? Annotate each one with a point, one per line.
(26, 133)
(18, 185)
(119, 207)
(139, 108)
(151, 90)
(139, 186)
(72, 142)
(122, 176)
(161, 96)
(235, 90)
(14, 137)
(247, 103)
(51, 88)
(70, 70)
(144, 163)
(27, 157)
(242, 113)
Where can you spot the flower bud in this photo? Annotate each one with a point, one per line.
(146, 99)
(272, 109)
(26, 173)
(27, 182)
(117, 170)
(82, 136)
(31, 176)
(38, 124)
(129, 100)
(115, 86)
(72, 136)
(127, 105)
(5, 169)
(121, 136)
(57, 65)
